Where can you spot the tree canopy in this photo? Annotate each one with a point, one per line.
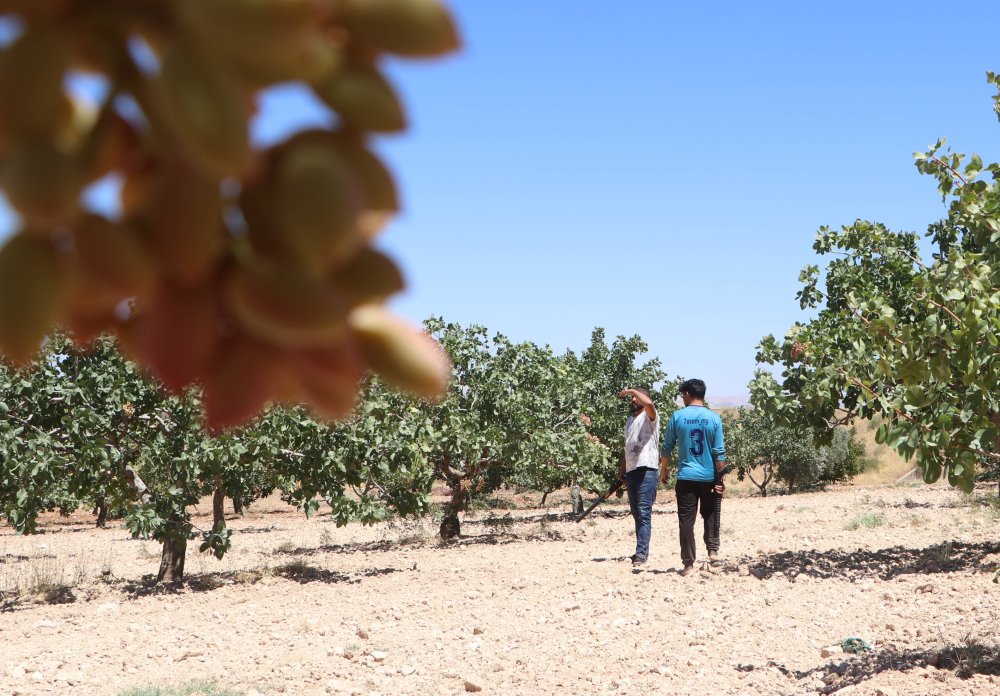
(909, 340)
(87, 426)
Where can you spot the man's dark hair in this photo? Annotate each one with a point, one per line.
(644, 391)
(695, 388)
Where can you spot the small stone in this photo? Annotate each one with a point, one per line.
(407, 670)
(37, 677)
(477, 631)
(379, 656)
(185, 654)
(472, 688)
(831, 650)
(362, 634)
(744, 569)
(18, 672)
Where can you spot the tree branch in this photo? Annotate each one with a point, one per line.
(953, 171)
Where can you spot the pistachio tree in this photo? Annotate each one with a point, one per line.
(909, 340)
(604, 371)
(512, 415)
(88, 425)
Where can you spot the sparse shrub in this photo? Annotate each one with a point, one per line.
(192, 688)
(867, 519)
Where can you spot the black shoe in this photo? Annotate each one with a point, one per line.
(688, 570)
(637, 560)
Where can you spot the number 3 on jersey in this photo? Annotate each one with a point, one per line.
(698, 438)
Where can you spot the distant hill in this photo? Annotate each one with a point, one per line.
(729, 401)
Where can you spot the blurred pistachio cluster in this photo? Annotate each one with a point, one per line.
(250, 272)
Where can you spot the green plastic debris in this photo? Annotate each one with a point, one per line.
(855, 645)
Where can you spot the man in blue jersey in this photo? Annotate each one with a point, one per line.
(639, 465)
(701, 458)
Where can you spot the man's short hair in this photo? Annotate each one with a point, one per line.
(644, 391)
(695, 388)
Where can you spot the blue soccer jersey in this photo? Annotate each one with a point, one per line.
(697, 432)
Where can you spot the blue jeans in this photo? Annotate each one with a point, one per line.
(641, 484)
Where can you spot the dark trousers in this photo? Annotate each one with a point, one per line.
(690, 496)
(641, 485)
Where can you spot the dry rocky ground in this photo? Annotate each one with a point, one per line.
(526, 602)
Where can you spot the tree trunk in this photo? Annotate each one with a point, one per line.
(450, 525)
(172, 559)
(218, 506)
(575, 498)
(238, 506)
(101, 510)
(544, 496)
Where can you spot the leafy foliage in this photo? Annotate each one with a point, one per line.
(513, 415)
(604, 371)
(913, 343)
(86, 424)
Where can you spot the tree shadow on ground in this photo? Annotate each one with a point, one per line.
(17, 558)
(965, 661)
(72, 528)
(507, 518)
(304, 573)
(884, 564)
(497, 538)
(254, 530)
(55, 594)
(357, 547)
(911, 504)
(386, 545)
(298, 571)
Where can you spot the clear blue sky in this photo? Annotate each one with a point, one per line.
(661, 168)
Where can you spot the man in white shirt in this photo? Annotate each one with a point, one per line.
(640, 466)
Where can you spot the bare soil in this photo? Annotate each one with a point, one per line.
(525, 602)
